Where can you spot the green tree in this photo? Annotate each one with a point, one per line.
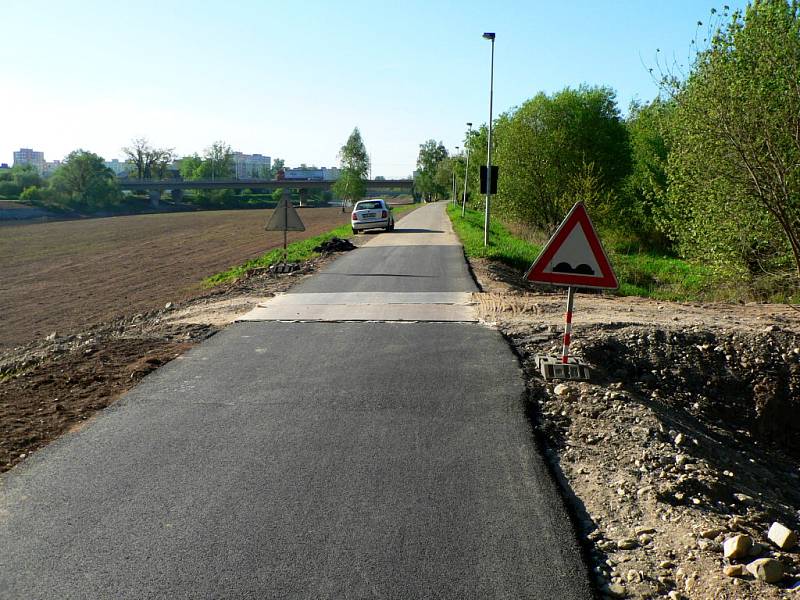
(734, 196)
(25, 176)
(218, 161)
(276, 166)
(191, 167)
(354, 169)
(148, 162)
(553, 148)
(83, 181)
(475, 142)
(16, 179)
(431, 153)
(643, 192)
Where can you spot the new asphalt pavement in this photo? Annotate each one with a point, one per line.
(307, 459)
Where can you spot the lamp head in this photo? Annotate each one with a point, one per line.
(488, 36)
(469, 124)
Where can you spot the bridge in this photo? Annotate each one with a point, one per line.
(176, 187)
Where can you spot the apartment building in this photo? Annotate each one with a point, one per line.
(251, 166)
(27, 156)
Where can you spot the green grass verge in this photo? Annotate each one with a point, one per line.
(295, 252)
(640, 274)
(503, 247)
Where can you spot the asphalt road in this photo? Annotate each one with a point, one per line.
(305, 460)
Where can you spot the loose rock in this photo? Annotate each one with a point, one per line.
(561, 390)
(783, 537)
(766, 569)
(737, 546)
(735, 570)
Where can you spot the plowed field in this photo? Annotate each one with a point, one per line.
(67, 275)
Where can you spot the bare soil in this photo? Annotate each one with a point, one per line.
(65, 276)
(687, 433)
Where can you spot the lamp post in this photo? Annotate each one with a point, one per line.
(466, 172)
(453, 167)
(489, 36)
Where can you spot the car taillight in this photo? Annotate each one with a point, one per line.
(355, 217)
(383, 214)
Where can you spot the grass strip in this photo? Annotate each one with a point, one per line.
(640, 274)
(296, 251)
(503, 247)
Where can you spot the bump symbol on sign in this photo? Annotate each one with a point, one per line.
(581, 269)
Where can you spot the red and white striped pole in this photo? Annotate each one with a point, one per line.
(568, 325)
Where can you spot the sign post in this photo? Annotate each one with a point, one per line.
(285, 218)
(573, 257)
(568, 325)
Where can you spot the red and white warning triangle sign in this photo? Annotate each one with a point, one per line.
(574, 256)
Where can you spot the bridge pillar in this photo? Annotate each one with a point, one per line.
(303, 196)
(176, 195)
(155, 198)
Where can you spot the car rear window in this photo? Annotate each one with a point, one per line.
(369, 205)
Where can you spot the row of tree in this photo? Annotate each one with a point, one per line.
(708, 170)
(149, 162)
(83, 182)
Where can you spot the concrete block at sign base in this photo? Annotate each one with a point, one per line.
(783, 537)
(766, 569)
(552, 367)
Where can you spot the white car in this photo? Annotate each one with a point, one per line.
(372, 214)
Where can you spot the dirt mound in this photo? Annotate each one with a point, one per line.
(665, 460)
(750, 381)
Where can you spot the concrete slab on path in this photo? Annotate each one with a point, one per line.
(367, 306)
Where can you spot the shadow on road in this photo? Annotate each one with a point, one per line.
(377, 231)
(373, 275)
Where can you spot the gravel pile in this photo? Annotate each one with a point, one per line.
(684, 440)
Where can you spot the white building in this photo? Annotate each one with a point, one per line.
(27, 156)
(120, 167)
(251, 166)
(50, 167)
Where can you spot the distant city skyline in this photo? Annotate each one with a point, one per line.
(293, 83)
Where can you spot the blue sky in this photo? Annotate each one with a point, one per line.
(291, 80)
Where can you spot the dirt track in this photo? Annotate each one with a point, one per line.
(63, 276)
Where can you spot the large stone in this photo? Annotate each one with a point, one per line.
(734, 570)
(616, 590)
(710, 534)
(766, 569)
(783, 537)
(562, 390)
(737, 546)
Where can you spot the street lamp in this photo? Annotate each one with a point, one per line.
(453, 166)
(489, 36)
(466, 172)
